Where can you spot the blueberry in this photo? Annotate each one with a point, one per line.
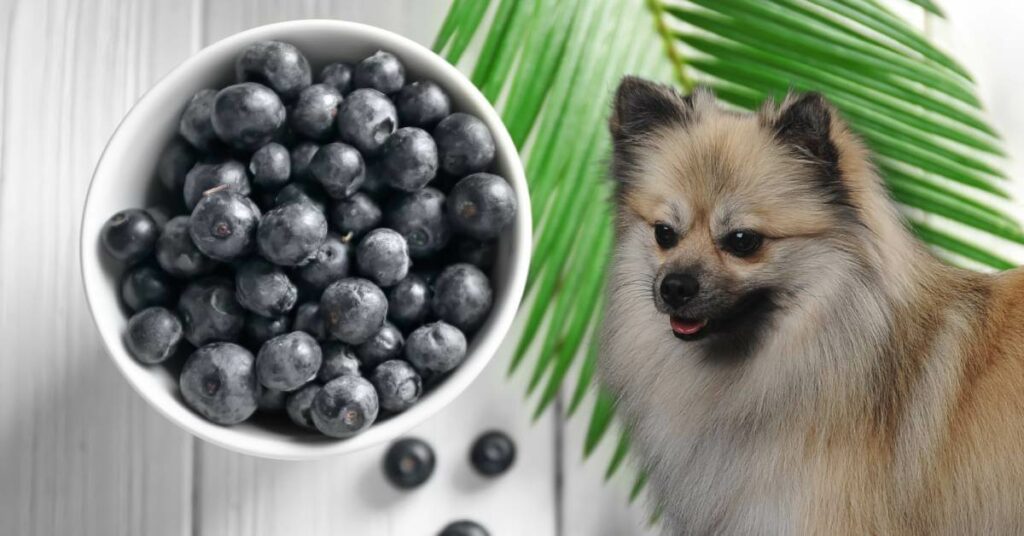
(366, 118)
(339, 169)
(223, 225)
(314, 113)
(301, 154)
(270, 400)
(420, 218)
(464, 144)
(398, 385)
(355, 216)
(435, 347)
(247, 116)
(259, 329)
(464, 527)
(337, 75)
(301, 192)
(479, 253)
(292, 233)
(422, 104)
(153, 335)
(384, 345)
(345, 406)
(299, 405)
(330, 264)
(177, 254)
(130, 235)
(196, 125)
(219, 382)
(462, 296)
(288, 361)
(308, 319)
(409, 463)
(409, 302)
(381, 71)
(264, 288)
(271, 166)
(492, 453)
(209, 311)
(175, 161)
(481, 205)
(338, 359)
(383, 256)
(280, 66)
(146, 286)
(409, 159)
(353, 309)
(206, 176)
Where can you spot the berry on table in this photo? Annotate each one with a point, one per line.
(493, 453)
(409, 463)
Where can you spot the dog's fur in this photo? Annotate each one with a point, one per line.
(856, 385)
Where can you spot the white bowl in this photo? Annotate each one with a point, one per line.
(124, 178)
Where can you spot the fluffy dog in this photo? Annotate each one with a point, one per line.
(788, 357)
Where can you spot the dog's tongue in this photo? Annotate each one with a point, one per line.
(687, 327)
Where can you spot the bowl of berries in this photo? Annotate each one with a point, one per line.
(306, 239)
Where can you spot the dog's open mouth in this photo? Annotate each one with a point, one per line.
(686, 328)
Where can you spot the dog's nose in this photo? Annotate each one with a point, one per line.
(677, 289)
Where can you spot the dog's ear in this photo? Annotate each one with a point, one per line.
(641, 106)
(805, 123)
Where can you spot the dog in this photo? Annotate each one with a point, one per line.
(788, 358)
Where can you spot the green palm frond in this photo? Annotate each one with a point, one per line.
(551, 67)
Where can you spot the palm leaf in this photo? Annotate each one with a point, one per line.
(551, 66)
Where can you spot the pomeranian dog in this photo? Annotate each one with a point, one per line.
(788, 357)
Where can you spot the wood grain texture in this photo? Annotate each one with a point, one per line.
(82, 454)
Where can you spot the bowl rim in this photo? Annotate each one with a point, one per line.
(501, 317)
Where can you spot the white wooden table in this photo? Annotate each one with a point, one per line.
(80, 453)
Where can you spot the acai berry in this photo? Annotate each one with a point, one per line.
(339, 169)
(462, 296)
(366, 119)
(219, 382)
(420, 218)
(338, 359)
(288, 361)
(383, 256)
(355, 216)
(223, 225)
(437, 347)
(314, 112)
(271, 166)
(422, 104)
(381, 71)
(264, 288)
(130, 235)
(398, 385)
(384, 345)
(338, 75)
(464, 144)
(153, 335)
(353, 309)
(345, 406)
(280, 66)
(290, 234)
(145, 286)
(209, 311)
(206, 176)
(408, 159)
(177, 254)
(247, 116)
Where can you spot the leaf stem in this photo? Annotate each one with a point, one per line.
(657, 9)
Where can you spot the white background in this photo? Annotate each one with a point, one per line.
(82, 454)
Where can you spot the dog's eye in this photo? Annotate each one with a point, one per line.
(665, 236)
(741, 243)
